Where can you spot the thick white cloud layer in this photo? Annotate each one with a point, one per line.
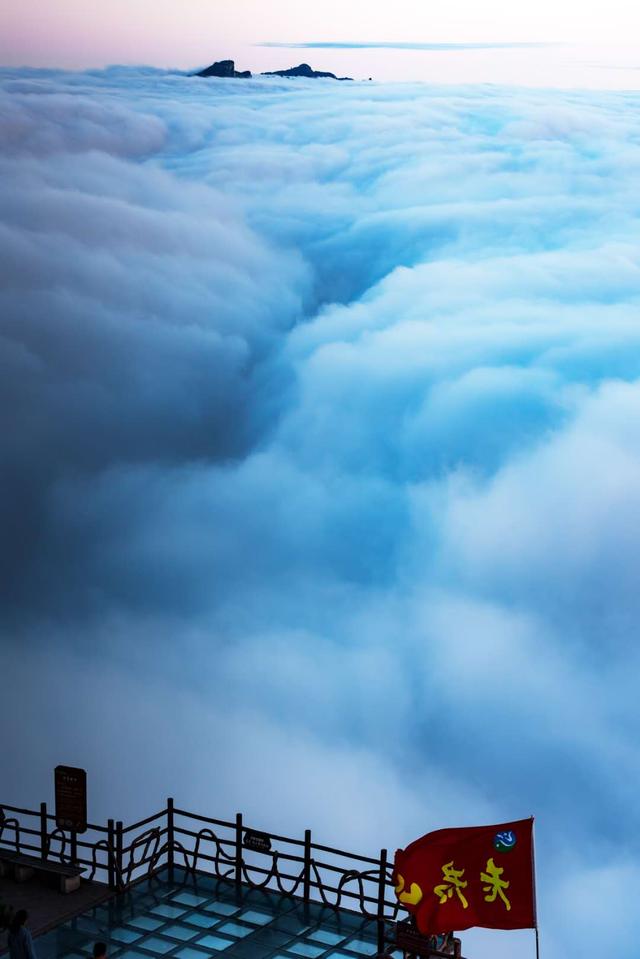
(321, 456)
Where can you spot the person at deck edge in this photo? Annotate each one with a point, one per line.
(20, 941)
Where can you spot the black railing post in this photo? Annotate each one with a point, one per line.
(170, 837)
(119, 837)
(44, 845)
(74, 846)
(306, 875)
(110, 855)
(16, 834)
(382, 882)
(238, 848)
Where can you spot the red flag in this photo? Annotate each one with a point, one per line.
(475, 876)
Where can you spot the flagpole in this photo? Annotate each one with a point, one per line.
(533, 887)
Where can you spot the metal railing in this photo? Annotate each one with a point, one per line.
(176, 838)
(35, 833)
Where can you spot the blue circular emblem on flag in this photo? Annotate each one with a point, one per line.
(504, 841)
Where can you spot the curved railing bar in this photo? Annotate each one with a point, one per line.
(219, 857)
(62, 839)
(344, 879)
(12, 822)
(359, 877)
(395, 911)
(95, 865)
(155, 858)
(292, 890)
(389, 881)
(145, 838)
(208, 834)
(193, 867)
(273, 872)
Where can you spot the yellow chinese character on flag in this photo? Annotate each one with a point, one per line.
(495, 885)
(453, 882)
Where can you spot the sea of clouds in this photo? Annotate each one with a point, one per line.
(321, 463)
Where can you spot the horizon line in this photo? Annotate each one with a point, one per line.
(391, 45)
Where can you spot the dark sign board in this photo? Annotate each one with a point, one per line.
(71, 798)
(414, 943)
(258, 841)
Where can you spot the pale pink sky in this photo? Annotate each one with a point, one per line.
(188, 33)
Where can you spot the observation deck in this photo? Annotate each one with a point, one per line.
(178, 885)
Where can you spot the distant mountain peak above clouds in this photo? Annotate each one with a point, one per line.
(226, 68)
(303, 70)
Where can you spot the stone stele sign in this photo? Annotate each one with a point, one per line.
(71, 798)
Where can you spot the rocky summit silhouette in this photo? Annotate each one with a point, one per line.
(227, 68)
(303, 70)
(223, 68)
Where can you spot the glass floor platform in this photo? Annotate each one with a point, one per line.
(196, 917)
